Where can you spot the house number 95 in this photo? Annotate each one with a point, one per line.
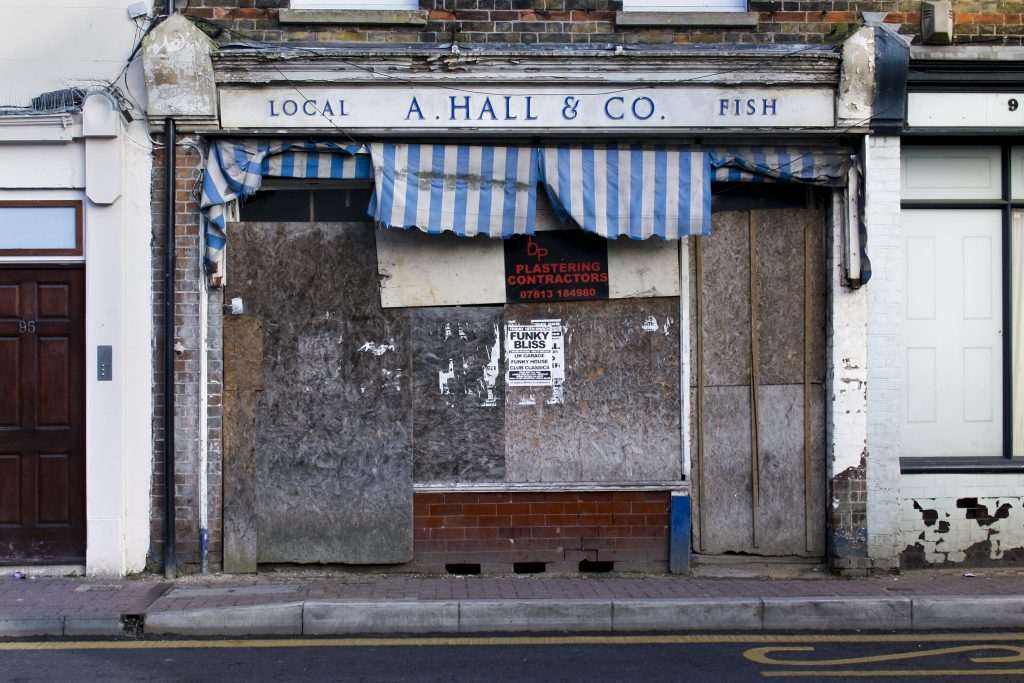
(27, 326)
(1012, 104)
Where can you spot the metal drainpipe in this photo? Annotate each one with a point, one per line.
(170, 564)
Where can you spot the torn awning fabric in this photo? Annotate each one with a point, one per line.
(613, 190)
(235, 169)
(633, 190)
(466, 189)
(802, 165)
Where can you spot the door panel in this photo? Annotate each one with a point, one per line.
(759, 367)
(42, 415)
(952, 333)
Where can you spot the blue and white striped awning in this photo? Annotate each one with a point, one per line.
(632, 190)
(465, 189)
(639, 191)
(780, 164)
(235, 169)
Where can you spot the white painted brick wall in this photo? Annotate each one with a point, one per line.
(884, 361)
(847, 378)
(952, 533)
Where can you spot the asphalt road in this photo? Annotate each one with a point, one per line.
(746, 657)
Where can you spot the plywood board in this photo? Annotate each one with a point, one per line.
(418, 269)
(618, 418)
(725, 292)
(333, 441)
(458, 394)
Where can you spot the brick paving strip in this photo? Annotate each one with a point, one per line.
(237, 605)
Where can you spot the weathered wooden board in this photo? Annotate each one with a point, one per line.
(333, 436)
(781, 438)
(727, 509)
(458, 394)
(418, 269)
(726, 485)
(619, 415)
(243, 380)
(780, 293)
(726, 300)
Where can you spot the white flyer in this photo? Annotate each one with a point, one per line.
(534, 354)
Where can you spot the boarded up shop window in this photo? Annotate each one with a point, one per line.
(440, 364)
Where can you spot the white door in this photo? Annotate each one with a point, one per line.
(952, 333)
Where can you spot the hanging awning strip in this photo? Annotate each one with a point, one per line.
(639, 191)
(632, 190)
(465, 189)
(803, 165)
(235, 169)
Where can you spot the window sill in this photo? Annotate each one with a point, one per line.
(964, 465)
(395, 17)
(645, 19)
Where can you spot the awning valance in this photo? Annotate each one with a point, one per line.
(632, 190)
(803, 165)
(465, 189)
(614, 190)
(235, 169)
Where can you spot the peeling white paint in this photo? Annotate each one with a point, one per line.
(376, 349)
(445, 376)
(666, 328)
(945, 528)
(492, 370)
(392, 379)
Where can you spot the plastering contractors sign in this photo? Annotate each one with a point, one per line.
(425, 107)
(534, 354)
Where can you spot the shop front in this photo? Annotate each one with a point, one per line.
(525, 310)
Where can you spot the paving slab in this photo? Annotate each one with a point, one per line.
(994, 611)
(478, 616)
(836, 614)
(93, 625)
(340, 618)
(21, 627)
(694, 614)
(248, 620)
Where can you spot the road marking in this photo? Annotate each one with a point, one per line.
(835, 673)
(761, 655)
(751, 639)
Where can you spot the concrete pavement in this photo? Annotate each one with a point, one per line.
(302, 603)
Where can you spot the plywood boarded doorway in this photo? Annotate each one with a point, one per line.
(758, 383)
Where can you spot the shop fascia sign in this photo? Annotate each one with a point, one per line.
(524, 107)
(965, 110)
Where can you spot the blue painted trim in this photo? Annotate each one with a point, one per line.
(679, 534)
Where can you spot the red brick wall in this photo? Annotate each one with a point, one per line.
(780, 22)
(495, 530)
(188, 245)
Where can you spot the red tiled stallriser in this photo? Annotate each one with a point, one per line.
(561, 529)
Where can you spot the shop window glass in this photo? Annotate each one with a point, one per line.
(1017, 173)
(951, 173)
(1017, 329)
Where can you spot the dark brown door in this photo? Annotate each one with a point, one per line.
(42, 415)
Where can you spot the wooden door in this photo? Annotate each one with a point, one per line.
(758, 381)
(42, 415)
